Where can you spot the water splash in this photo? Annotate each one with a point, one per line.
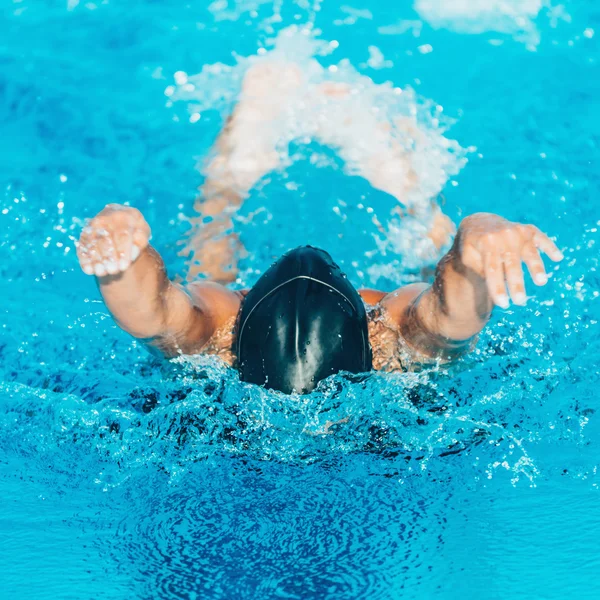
(387, 134)
(196, 409)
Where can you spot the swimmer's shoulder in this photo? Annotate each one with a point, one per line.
(221, 305)
(385, 313)
(371, 297)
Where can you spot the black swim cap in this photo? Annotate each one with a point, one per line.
(300, 323)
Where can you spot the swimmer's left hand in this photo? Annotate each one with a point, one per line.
(494, 248)
(112, 241)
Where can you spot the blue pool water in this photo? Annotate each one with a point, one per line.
(124, 477)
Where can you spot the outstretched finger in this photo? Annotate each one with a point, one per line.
(547, 246)
(108, 252)
(140, 241)
(535, 264)
(514, 277)
(123, 245)
(101, 251)
(494, 278)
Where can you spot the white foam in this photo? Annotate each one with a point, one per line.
(377, 60)
(353, 15)
(512, 17)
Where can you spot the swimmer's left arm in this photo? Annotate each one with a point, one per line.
(441, 320)
(133, 282)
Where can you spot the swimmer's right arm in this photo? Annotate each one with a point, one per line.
(132, 278)
(442, 320)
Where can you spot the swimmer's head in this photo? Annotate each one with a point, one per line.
(302, 322)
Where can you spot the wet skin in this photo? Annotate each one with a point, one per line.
(483, 269)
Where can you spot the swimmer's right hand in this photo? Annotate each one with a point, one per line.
(112, 240)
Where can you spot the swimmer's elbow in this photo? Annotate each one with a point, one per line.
(171, 338)
(425, 347)
(425, 330)
(143, 327)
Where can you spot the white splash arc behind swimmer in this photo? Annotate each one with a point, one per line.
(386, 134)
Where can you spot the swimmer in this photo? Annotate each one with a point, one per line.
(303, 321)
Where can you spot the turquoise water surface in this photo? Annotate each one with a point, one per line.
(125, 477)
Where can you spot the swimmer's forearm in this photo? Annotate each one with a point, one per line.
(134, 284)
(484, 261)
(148, 306)
(131, 275)
(445, 318)
(136, 298)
